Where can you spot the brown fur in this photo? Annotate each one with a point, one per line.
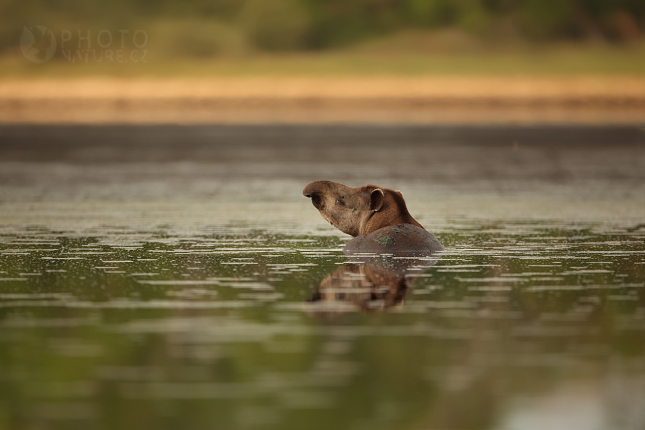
(359, 211)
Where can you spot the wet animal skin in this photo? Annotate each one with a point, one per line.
(377, 217)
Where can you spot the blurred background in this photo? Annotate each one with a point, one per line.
(215, 29)
(521, 51)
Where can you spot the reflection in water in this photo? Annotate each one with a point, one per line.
(372, 283)
(165, 328)
(175, 295)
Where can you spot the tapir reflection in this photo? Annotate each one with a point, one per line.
(371, 283)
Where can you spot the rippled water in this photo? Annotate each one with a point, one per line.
(167, 294)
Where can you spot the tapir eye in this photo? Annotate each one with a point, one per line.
(340, 202)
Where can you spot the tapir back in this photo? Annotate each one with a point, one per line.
(398, 239)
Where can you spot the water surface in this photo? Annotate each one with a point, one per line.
(146, 286)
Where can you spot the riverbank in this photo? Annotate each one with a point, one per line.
(340, 99)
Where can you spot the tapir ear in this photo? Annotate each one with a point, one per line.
(376, 199)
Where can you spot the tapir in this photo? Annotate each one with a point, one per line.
(376, 217)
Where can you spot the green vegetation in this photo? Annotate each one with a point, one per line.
(388, 56)
(324, 36)
(317, 24)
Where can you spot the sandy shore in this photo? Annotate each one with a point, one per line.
(425, 100)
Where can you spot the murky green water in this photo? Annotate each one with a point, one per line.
(210, 294)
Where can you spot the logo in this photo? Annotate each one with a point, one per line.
(37, 44)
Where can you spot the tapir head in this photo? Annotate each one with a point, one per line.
(358, 211)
